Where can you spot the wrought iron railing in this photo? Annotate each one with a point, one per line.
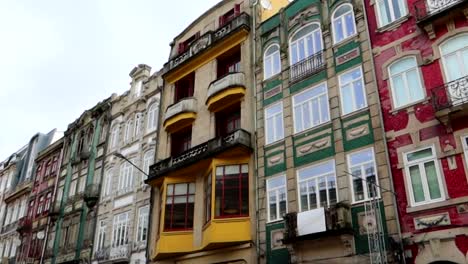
(427, 8)
(102, 254)
(121, 252)
(450, 94)
(307, 67)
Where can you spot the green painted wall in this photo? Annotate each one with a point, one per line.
(275, 256)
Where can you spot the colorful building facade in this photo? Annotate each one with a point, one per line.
(420, 56)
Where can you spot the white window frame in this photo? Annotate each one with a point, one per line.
(392, 17)
(137, 126)
(115, 136)
(148, 160)
(72, 189)
(129, 130)
(291, 43)
(464, 138)
(138, 88)
(458, 52)
(317, 193)
(276, 190)
(420, 163)
(351, 84)
(309, 101)
(271, 57)
(364, 180)
(108, 176)
(101, 235)
(405, 81)
(343, 24)
(152, 118)
(126, 176)
(120, 230)
(273, 117)
(143, 220)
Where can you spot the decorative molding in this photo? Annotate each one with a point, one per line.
(431, 221)
(352, 54)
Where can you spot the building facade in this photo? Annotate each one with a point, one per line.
(71, 234)
(34, 225)
(420, 55)
(123, 209)
(203, 185)
(324, 186)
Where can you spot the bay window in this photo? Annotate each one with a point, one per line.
(343, 23)
(423, 176)
(353, 93)
(363, 176)
(405, 82)
(276, 198)
(317, 186)
(232, 191)
(310, 108)
(180, 199)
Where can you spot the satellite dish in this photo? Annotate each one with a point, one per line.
(266, 4)
(40, 235)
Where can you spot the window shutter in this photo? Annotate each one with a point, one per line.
(236, 10)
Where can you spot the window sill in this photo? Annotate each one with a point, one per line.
(355, 112)
(272, 78)
(176, 232)
(437, 204)
(345, 41)
(274, 221)
(393, 25)
(409, 107)
(365, 200)
(308, 130)
(267, 145)
(230, 219)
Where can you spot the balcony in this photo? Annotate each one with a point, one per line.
(9, 227)
(238, 138)
(102, 254)
(210, 45)
(450, 100)
(225, 91)
(91, 195)
(24, 225)
(23, 187)
(335, 220)
(54, 212)
(307, 67)
(180, 114)
(120, 253)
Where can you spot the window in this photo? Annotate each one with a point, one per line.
(310, 108)
(423, 176)
(276, 198)
(305, 42)
(181, 141)
(405, 82)
(232, 191)
(317, 186)
(183, 46)
(152, 117)
(126, 176)
(30, 212)
(137, 129)
(180, 198)
(40, 206)
(274, 128)
(148, 160)
(228, 120)
(81, 184)
(465, 148)
(364, 175)
(353, 94)
(229, 62)
(114, 137)
(129, 130)
(101, 235)
(208, 191)
(230, 15)
(343, 23)
(389, 11)
(137, 89)
(106, 190)
(48, 201)
(72, 190)
(120, 229)
(455, 57)
(142, 232)
(271, 61)
(184, 87)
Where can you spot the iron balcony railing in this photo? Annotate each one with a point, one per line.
(450, 94)
(427, 8)
(102, 254)
(306, 67)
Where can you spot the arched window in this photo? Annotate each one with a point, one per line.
(152, 117)
(343, 23)
(271, 61)
(106, 189)
(455, 57)
(137, 124)
(129, 130)
(405, 82)
(114, 136)
(305, 42)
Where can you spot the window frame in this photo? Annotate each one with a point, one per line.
(126, 180)
(340, 85)
(343, 25)
(187, 195)
(120, 236)
(277, 191)
(101, 235)
(208, 197)
(464, 139)
(129, 130)
(457, 52)
(405, 80)
(276, 138)
(107, 185)
(291, 42)
(364, 181)
(142, 231)
(148, 160)
(424, 183)
(115, 136)
(222, 212)
(272, 61)
(293, 105)
(392, 13)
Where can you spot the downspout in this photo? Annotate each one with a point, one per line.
(57, 177)
(387, 158)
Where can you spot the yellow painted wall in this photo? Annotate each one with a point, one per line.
(174, 242)
(227, 230)
(276, 6)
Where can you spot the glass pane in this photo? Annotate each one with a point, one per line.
(399, 91)
(396, 9)
(324, 109)
(454, 44)
(282, 199)
(415, 89)
(317, 41)
(267, 65)
(294, 53)
(347, 98)
(302, 51)
(303, 196)
(432, 181)
(332, 189)
(357, 184)
(192, 188)
(312, 194)
(271, 49)
(425, 153)
(180, 188)
(322, 184)
(383, 12)
(270, 131)
(276, 182)
(310, 46)
(272, 199)
(315, 112)
(452, 67)
(276, 63)
(306, 111)
(279, 130)
(359, 94)
(338, 27)
(350, 25)
(403, 65)
(298, 119)
(416, 183)
(232, 169)
(361, 157)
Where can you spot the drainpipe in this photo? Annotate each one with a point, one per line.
(57, 177)
(387, 158)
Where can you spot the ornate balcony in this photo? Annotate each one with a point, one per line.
(450, 100)
(205, 150)
(91, 195)
(102, 254)
(24, 225)
(307, 67)
(232, 33)
(226, 90)
(180, 114)
(121, 253)
(335, 220)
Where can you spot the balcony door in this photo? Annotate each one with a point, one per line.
(454, 54)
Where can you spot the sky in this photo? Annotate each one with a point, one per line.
(61, 57)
